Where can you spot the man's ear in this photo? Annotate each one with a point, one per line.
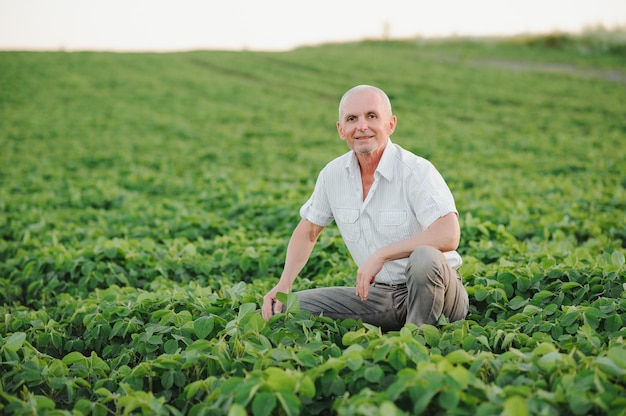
(340, 131)
(393, 122)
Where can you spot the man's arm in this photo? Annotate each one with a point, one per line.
(298, 252)
(444, 234)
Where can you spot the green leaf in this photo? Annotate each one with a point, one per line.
(88, 408)
(617, 258)
(30, 376)
(255, 323)
(591, 317)
(542, 295)
(246, 309)
(167, 380)
(569, 318)
(508, 340)
(507, 279)
(388, 408)
(397, 358)
(291, 301)
(278, 379)
(280, 354)
(469, 342)
(421, 398)
(263, 404)
(74, 358)
(523, 283)
(246, 390)
(354, 361)
(352, 337)
(517, 303)
(417, 352)
(579, 401)
(549, 362)
(617, 353)
(461, 375)
(431, 334)
(515, 406)
(170, 346)
(481, 294)
(610, 367)
(380, 352)
(307, 359)
(331, 384)
(231, 385)
(374, 374)
(544, 348)
(306, 386)
(237, 410)
(43, 404)
(180, 379)
(568, 286)
(449, 400)
(15, 341)
(203, 326)
(556, 332)
(459, 357)
(289, 402)
(193, 388)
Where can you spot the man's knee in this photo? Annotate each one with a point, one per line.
(425, 255)
(424, 263)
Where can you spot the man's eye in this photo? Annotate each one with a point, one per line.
(372, 115)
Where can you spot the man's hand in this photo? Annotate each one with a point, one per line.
(298, 251)
(366, 275)
(271, 305)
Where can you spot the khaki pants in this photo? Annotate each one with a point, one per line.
(433, 288)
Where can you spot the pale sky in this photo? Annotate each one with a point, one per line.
(170, 25)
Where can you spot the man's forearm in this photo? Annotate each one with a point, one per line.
(298, 252)
(443, 234)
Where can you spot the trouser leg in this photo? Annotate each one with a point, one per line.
(380, 308)
(434, 288)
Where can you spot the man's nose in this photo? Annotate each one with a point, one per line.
(362, 125)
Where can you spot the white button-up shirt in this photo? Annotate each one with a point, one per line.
(407, 196)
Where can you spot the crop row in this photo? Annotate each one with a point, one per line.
(206, 351)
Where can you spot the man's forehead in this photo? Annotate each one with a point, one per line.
(362, 101)
(359, 95)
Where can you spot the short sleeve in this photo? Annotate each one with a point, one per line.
(317, 208)
(433, 196)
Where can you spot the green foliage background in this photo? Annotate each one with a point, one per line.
(146, 201)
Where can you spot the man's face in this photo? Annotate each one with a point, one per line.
(365, 122)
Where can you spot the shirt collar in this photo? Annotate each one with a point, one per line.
(385, 166)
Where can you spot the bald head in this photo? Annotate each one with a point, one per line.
(365, 88)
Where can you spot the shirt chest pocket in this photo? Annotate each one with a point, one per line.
(347, 221)
(394, 225)
(392, 217)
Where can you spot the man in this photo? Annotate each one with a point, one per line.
(398, 219)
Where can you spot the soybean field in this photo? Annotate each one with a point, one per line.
(147, 199)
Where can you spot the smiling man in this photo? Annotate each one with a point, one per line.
(398, 219)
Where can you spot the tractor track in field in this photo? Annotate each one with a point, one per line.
(607, 75)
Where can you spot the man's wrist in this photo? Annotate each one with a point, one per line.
(381, 256)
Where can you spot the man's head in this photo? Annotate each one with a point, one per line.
(365, 119)
(362, 88)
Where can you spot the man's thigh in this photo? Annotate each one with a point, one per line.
(380, 309)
